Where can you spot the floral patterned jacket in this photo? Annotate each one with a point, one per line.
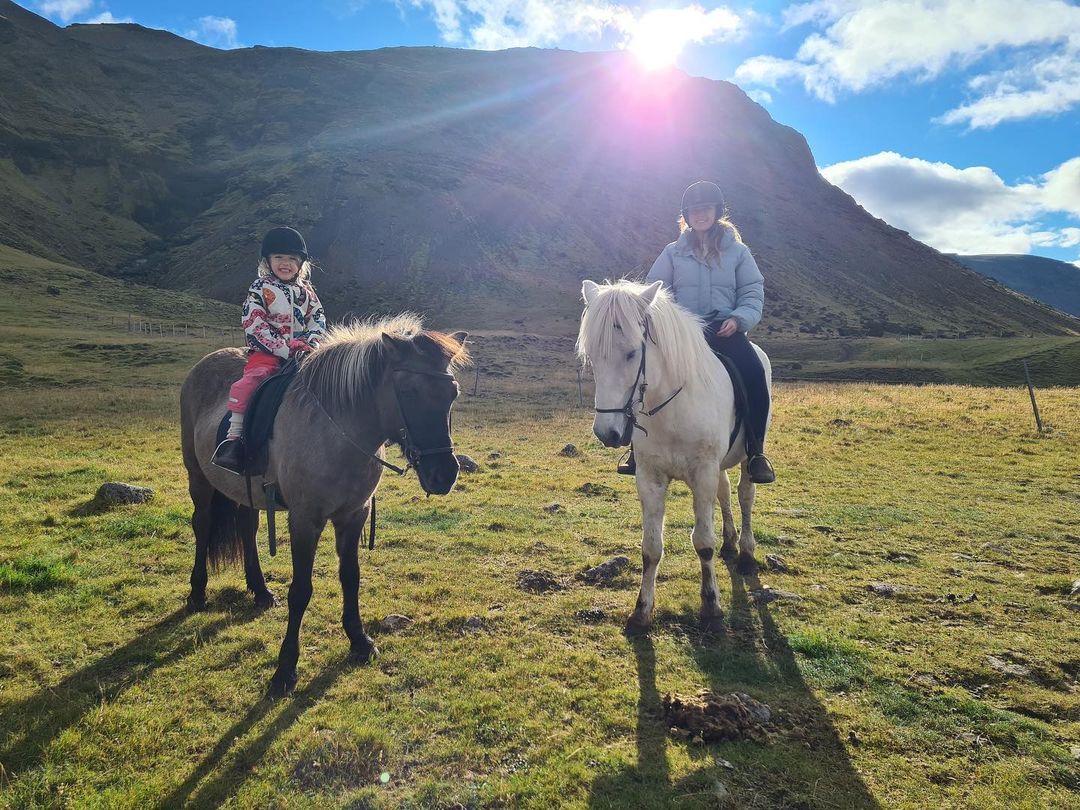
(276, 312)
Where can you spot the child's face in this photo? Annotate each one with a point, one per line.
(283, 266)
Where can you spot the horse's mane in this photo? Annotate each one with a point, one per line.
(351, 358)
(676, 331)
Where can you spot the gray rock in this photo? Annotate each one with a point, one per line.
(777, 563)
(394, 622)
(570, 451)
(467, 464)
(1075, 588)
(1007, 667)
(761, 713)
(888, 588)
(115, 493)
(766, 595)
(605, 571)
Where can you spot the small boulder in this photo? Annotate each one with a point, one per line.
(764, 596)
(605, 571)
(394, 622)
(777, 563)
(888, 588)
(115, 493)
(1007, 667)
(467, 464)
(1075, 588)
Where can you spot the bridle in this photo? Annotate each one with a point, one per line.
(410, 449)
(639, 387)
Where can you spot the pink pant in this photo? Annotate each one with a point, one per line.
(260, 365)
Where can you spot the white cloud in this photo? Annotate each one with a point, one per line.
(65, 10)
(493, 24)
(969, 210)
(762, 97)
(862, 44)
(106, 18)
(217, 32)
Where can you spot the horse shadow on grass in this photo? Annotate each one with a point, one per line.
(31, 724)
(804, 766)
(235, 767)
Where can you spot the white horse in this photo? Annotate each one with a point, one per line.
(682, 403)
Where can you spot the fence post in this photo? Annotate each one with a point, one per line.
(476, 380)
(580, 399)
(1031, 393)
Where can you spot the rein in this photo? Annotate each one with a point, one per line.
(639, 387)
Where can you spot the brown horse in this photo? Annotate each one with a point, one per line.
(367, 384)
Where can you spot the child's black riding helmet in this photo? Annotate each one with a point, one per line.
(286, 241)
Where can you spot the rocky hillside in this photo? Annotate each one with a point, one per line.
(1048, 280)
(479, 187)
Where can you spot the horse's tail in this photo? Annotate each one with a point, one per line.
(230, 524)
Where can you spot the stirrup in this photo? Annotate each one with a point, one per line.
(228, 456)
(628, 467)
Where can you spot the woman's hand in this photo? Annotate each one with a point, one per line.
(728, 328)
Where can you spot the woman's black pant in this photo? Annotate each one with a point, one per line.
(751, 390)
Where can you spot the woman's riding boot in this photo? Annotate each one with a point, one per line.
(628, 467)
(760, 468)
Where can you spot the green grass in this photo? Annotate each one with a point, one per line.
(112, 696)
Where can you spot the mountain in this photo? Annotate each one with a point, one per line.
(1048, 280)
(479, 187)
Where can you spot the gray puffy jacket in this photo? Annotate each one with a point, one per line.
(732, 286)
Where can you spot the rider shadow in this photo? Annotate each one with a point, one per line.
(226, 784)
(813, 765)
(31, 724)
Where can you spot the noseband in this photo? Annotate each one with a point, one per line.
(638, 388)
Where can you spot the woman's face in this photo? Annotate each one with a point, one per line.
(285, 267)
(702, 217)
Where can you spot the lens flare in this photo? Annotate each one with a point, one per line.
(658, 39)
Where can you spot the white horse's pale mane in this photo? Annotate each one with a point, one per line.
(676, 333)
(350, 358)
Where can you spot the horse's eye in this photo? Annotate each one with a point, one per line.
(630, 355)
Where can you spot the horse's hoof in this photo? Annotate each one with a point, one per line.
(363, 651)
(712, 625)
(728, 552)
(281, 685)
(747, 565)
(196, 604)
(265, 600)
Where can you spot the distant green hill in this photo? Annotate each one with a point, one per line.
(1048, 280)
(476, 187)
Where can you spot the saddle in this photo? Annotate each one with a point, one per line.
(741, 399)
(259, 419)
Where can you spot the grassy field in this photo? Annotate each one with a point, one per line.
(111, 696)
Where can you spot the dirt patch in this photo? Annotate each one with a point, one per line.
(708, 717)
(598, 491)
(541, 581)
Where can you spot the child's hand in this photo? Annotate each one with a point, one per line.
(298, 345)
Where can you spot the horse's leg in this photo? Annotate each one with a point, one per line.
(705, 485)
(652, 491)
(304, 531)
(746, 563)
(723, 494)
(348, 532)
(253, 574)
(202, 521)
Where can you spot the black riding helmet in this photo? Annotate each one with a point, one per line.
(701, 193)
(286, 241)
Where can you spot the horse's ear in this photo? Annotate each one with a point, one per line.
(650, 292)
(397, 347)
(589, 289)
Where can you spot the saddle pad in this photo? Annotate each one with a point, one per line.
(260, 416)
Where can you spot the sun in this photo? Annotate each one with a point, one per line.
(658, 39)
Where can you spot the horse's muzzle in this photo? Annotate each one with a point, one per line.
(610, 437)
(438, 473)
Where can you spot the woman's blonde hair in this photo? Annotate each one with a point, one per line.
(712, 236)
(303, 275)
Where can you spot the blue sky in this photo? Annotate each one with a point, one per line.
(956, 120)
